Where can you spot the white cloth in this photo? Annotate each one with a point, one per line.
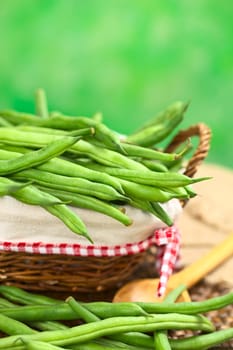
(20, 222)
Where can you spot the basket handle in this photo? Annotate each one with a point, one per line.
(204, 133)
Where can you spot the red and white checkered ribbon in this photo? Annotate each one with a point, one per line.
(167, 239)
(168, 242)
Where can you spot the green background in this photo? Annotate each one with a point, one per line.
(126, 58)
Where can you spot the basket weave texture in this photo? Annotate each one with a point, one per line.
(62, 273)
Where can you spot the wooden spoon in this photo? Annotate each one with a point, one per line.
(145, 289)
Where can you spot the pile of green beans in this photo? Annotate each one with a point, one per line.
(59, 162)
(35, 321)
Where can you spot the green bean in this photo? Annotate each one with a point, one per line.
(88, 202)
(13, 327)
(167, 179)
(38, 345)
(81, 311)
(154, 165)
(28, 193)
(153, 208)
(204, 341)
(48, 325)
(145, 192)
(4, 122)
(197, 342)
(13, 136)
(70, 219)
(104, 344)
(35, 158)
(9, 187)
(148, 153)
(6, 303)
(41, 103)
(70, 184)
(87, 332)
(22, 296)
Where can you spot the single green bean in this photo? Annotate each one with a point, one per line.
(28, 193)
(21, 296)
(148, 153)
(145, 192)
(38, 345)
(70, 184)
(88, 202)
(9, 187)
(155, 165)
(104, 344)
(150, 207)
(4, 122)
(35, 158)
(166, 179)
(48, 325)
(41, 103)
(70, 219)
(204, 341)
(12, 327)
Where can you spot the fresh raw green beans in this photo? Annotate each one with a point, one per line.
(65, 167)
(81, 148)
(59, 121)
(37, 157)
(88, 332)
(61, 311)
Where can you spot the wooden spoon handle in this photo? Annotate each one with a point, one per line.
(196, 271)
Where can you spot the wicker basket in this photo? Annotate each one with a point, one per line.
(62, 273)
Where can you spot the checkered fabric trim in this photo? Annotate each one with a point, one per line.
(167, 240)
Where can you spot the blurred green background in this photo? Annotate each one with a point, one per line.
(126, 58)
